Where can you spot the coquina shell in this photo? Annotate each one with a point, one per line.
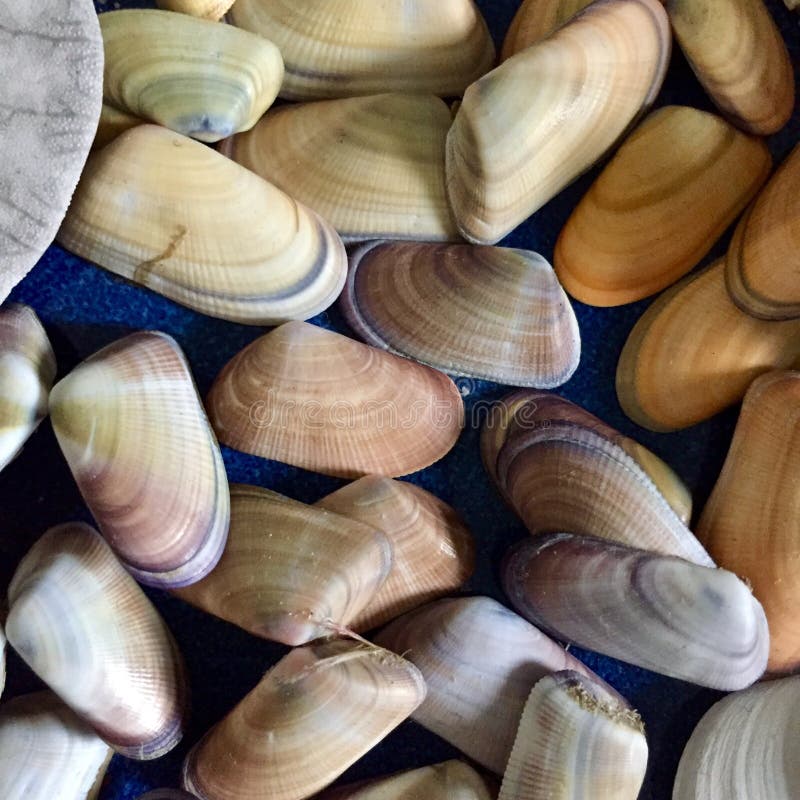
(575, 740)
(487, 312)
(292, 572)
(672, 189)
(745, 748)
(170, 214)
(372, 166)
(641, 608)
(319, 400)
(738, 54)
(194, 76)
(47, 752)
(27, 370)
(751, 523)
(694, 353)
(479, 661)
(509, 151)
(357, 47)
(84, 626)
(134, 433)
(762, 267)
(433, 550)
(342, 696)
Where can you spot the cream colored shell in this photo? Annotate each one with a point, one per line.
(171, 214)
(342, 48)
(194, 76)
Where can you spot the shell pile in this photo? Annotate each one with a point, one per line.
(256, 161)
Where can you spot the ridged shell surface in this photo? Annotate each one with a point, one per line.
(357, 47)
(372, 166)
(641, 608)
(433, 550)
(292, 572)
(738, 54)
(486, 312)
(694, 353)
(762, 267)
(47, 753)
(745, 748)
(343, 697)
(576, 740)
(191, 75)
(27, 370)
(87, 630)
(319, 400)
(511, 150)
(135, 435)
(171, 214)
(751, 523)
(656, 210)
(479, 661)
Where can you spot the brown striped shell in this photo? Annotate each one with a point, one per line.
(694, 353)
(511, 150)
(319, 400)
(135, 435)
(343, 48)
(342, 696)
(291, 572)
(487, 312)
(433, 550)
(86, 629)
(371, 166)
(672, 189)
(751, 523)
(738, 54)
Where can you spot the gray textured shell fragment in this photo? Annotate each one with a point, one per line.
(51, 86)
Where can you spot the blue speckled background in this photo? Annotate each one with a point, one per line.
(84, 308)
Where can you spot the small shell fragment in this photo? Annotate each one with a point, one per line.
(450, 780)
(291, 572)
(201, 79)
(134, 433)
(171, 214)
(562, 469)
(205, 9)
(669, 193)
(27, 370)
(751, 522)
(51, 62)
(319, 400)
(479, 661)
(694, 353)
(87, 630)
(536, 20)
(113, 123)
(360, 47)
(486, 312)
(47, 753)
(762, 267)
(341, 696)
(738, 54)
(576, 740)
(2, 659)
(434, 553)
(641, 608)
(745, 748)
(372, 166)
(510, 150)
